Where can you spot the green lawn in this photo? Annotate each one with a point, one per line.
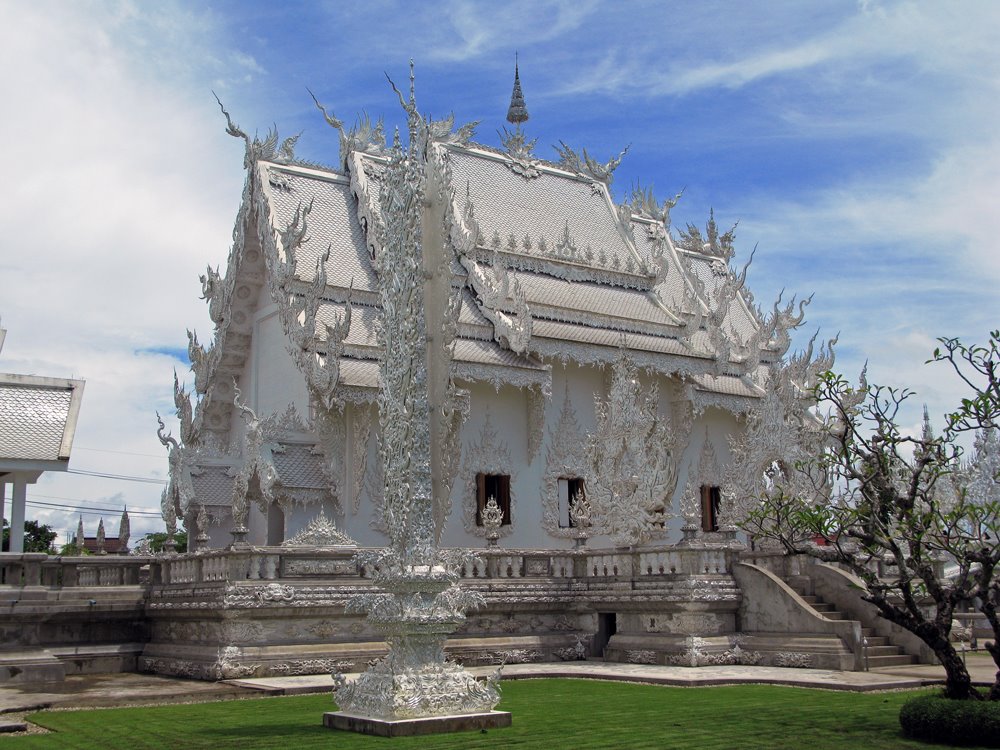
(548, 714)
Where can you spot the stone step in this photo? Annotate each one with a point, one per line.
(901, 660)
(887, 650)
(7, 725)
(874, 641)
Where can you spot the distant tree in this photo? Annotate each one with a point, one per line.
(896, 509)
(37, 537)
(157, 540)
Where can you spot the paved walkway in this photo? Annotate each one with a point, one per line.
(137, 689)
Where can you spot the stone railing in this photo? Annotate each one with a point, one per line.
(39, 569)
(278, 563)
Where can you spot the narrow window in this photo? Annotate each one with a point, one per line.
(710, 498)
(493, 485)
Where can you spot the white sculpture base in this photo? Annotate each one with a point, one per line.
(408, 727)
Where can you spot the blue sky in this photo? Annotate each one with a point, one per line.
(855, 144)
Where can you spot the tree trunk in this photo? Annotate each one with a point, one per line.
(989, 609)
(994, 649)
(958, 683)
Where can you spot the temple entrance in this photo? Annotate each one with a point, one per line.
(607, 626)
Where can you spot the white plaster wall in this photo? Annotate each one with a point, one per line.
(275, 381)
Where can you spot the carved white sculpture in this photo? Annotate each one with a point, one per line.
(419, 603)
(319, 532)
(704, 473)
(632, 461)
(492, 515)
(489, 455)
(565, 458)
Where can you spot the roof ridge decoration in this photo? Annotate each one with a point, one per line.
(586, 166)
(269, 149)
(298, 305)
(363, 136)
(179, 492)
(493, 288)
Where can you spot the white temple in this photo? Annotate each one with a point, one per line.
(605, 400)
(562, 301)
(460, 403)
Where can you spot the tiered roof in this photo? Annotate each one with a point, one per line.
(547, 267)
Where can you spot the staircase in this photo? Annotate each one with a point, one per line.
(880, 652)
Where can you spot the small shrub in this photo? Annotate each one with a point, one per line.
(938, 719)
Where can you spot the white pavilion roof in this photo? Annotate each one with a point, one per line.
(38, 418)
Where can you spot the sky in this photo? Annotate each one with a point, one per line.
(854, 143)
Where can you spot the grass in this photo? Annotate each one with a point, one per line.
(548, 714)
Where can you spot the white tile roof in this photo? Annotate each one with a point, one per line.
(607, 337)
(586, 297)
(507, 203)
(729, 385)
(213, 484)
(333, 223)
(299, 466)
(38, 417)
(542, 207)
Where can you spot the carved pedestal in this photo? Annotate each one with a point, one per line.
(420, 607)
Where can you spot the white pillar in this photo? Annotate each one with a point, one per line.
(17, 514)
(3, 496)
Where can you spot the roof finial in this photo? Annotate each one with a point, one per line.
(517, 112)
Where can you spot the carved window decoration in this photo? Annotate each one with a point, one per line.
(571, 491)
(489, 457)
(564, 461)
(711, 497)
(496, 486)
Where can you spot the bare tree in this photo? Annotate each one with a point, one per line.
(896, 509)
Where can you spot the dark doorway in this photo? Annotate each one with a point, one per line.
(607, 626)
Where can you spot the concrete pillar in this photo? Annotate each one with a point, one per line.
(3, 496)
(17, 514)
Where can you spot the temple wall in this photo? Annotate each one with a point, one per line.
(274, 380)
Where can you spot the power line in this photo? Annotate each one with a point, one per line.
(78, 499)
(122, 477)
(90, 508)
(122, 453)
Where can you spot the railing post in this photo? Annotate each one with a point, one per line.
(33, 568)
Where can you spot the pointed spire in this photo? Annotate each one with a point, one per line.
(517, 112)
(78, 542)
(124, 531)
(928, 430)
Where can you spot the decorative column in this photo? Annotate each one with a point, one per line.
(17, 514)
(415, 688)
(3, 500)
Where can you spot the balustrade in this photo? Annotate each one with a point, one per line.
(271, 563)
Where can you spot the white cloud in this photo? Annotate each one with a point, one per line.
(118, 189)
